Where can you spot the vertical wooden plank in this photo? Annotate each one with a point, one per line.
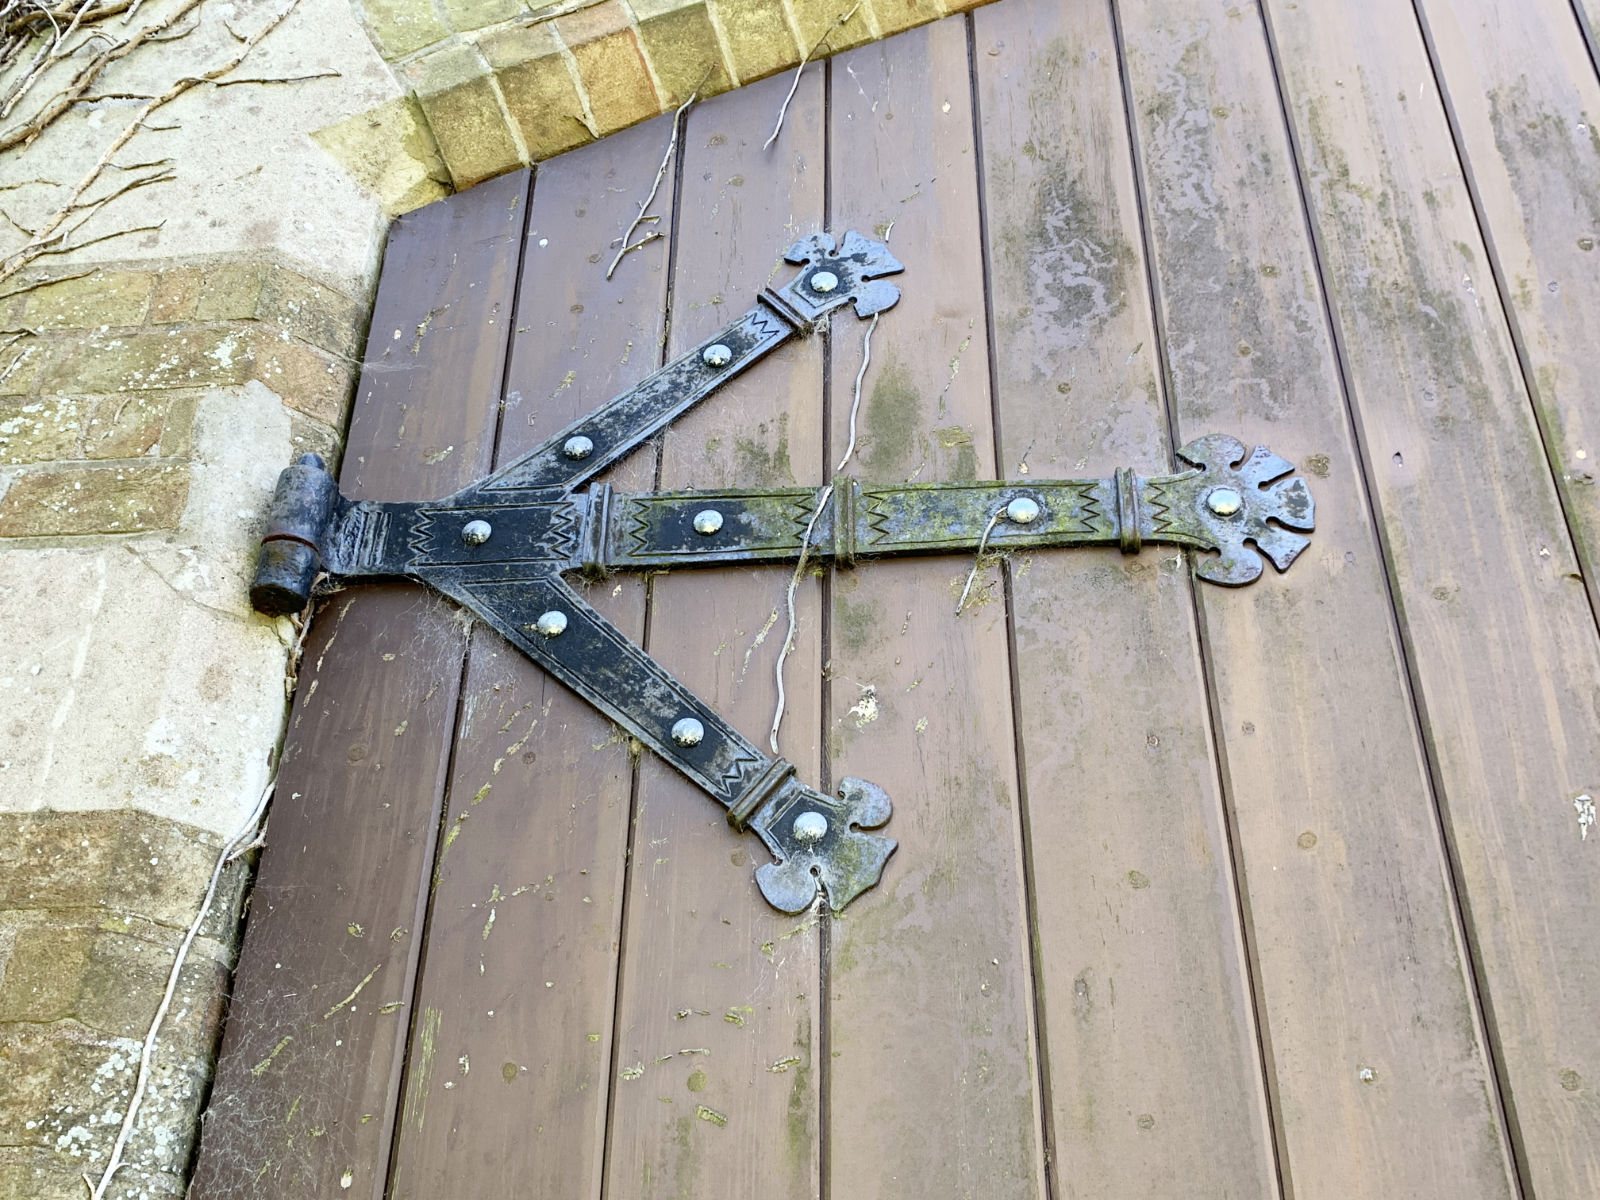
(1523, 96)
(1341, 852)
(1503, 638)
(308, 1082)
(1156, 1084)
(716, 1092)
(933, 1088)
(511, 1052)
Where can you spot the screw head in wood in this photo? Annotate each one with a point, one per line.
(686, 731)
(716, 356)
(810, 827)
(1024, 510)
(552, 624)
(577, 447)
(1224, 502)
(823, 281)
(707, 521)
(476, 533)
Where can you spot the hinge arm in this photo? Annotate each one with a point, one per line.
(816, 838)
(1220, 505)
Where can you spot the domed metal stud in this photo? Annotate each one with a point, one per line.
(688, 732)
(1024, 510)
(823, 281)
(577, 447)
(476, 533)
(707, 521)
(1224, 502)
(552, 624)
(810, 827)
(716, 356)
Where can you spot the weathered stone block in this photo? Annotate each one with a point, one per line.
(147, 359)
(135, 424)
(85, 302)
(40, 430)
(459, 97)
(539, 89)
(402, 27)
(894, 15)
(467, 15)
(230, 292)
(390, 150)
(610, 65)
(42, 975)
(682, 49)
(119, 859)
(122, 981)
(814, 18)
(315, 383)
(19, 366)
(314, 313)
(177, 291)
(110, 499)
(758, 37)
(67, 1088)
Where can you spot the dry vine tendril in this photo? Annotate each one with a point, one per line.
(53, 58)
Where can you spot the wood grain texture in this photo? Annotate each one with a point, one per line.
(1523, 95)
(308, 1082)
(1329, 789)
(1155, 1081)
(511, 1055)
(716, 1088)
(932, 1088)
(1492, 599)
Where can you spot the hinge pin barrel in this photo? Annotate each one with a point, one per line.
(302, 508)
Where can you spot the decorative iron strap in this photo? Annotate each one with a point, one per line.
(502, 547)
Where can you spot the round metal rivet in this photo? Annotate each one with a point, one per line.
(824, 281)
(688, 732)
(1024, 510)
(1224, 502)
(578, 447)
(552, 624)
(476, 533)
(717, 356)
(810, 827)
(707, 521)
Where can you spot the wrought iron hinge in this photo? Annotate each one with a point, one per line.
(503, 546)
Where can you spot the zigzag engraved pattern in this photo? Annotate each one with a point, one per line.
(741, 772)
(641, 528)
(421, 541)
(1158, 506)
(763, 324)
(563, 537)
(800, 514)
(877, 518)
(1086, 507)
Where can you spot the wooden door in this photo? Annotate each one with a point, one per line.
(1274, 891)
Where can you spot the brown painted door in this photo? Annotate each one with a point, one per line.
(1265, 892)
